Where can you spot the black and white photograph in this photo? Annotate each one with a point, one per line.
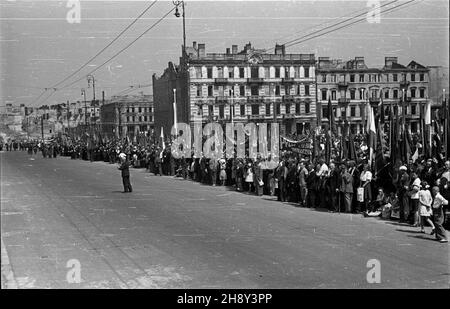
(240, 146)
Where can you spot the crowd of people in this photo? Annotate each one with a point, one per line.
(414, 193)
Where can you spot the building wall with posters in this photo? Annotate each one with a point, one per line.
(250, 85)
(351, 84)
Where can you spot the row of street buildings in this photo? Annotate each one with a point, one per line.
(251, 85)
(292, 89)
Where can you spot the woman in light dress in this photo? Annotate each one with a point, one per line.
(425, 212)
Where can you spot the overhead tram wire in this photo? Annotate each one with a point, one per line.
(325, 23)
(350, 24)
(122, 50)
(110, 43)
(118, 53)
(288, 43)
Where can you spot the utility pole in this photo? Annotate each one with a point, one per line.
(42, 127)
(68, 115)
(91, 78)
(83, 93)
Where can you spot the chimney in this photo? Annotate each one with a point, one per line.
(228, 51)
(201, 50)
(234, 49)
(388, 61)
(359, 62)
(279, 49)
(194, 44)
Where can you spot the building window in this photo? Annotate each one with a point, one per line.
(277, 72)
(324, 78)
(413, 77)
(278, 108)
(324, 94)
(422, 93)
(306, 72)
(128, 119)
(413, 92)
(200, 110)
(333, 95)
(221, 111)
(241, 73)
(140, 109)
(324, 111)
(422, 77)
(145, 118)
(211, 110)
(231, 73)
(352, 94)
(361, 94)
(277, 90)
(307, 108)
(361, 78)
(132, 110)
(413, 109)
(254, 72)
(395, 77)
(209, 72)
(242, 110)
(333, 78)
(255, 109)
(352, 78)
(288, 108)
(255, 90)
(297, 108)
(199, 91)
(386, 94)
(134, 118)
(267, 109)
(307, 90)
(374, 93)
(352, 111)
(242, 91)
(210, 91)
(395, 94)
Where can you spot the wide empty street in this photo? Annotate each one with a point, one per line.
(173, 233)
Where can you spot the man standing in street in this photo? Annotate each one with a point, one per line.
(125, 168)
(403, 188)
(438, 214)
(302, 174)
(347, 188)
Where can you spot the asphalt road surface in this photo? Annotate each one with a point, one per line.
(59, 216)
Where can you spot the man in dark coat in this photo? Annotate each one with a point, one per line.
(125, 168)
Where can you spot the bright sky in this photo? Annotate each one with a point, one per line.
(39, 47)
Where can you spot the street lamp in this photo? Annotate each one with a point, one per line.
(177, 3)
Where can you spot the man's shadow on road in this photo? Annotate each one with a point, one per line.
(419, 236)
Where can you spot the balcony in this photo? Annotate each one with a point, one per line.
(222, 100)
(343, 102)
(291, 98)
(221, 80)
(255, 80)
(255, 99)
(342, 84)
(287, 80)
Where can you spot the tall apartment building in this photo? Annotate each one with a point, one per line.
(127, 116)
(351, 84)
(247, 86)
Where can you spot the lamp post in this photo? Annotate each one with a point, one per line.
(83, 93)
(177, 3)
